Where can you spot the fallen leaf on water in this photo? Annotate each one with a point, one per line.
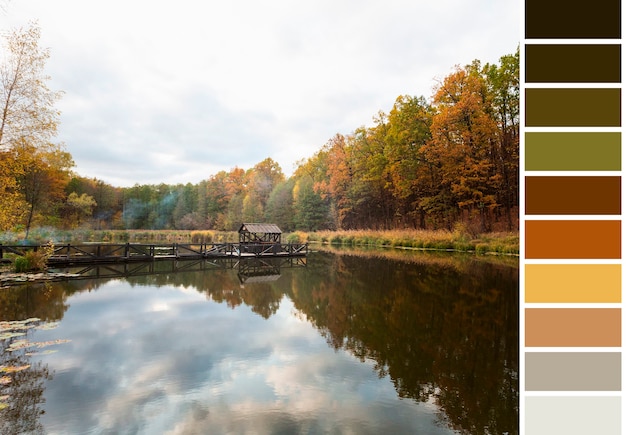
(18, 344)
(48, 326)
(19, 325)
(41, 344)
(45, 352)
(13, 369)
(7, 335)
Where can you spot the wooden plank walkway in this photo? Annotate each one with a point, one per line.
(249, 270)
(90, 253)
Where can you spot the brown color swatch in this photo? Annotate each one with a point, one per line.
(567, 19)
(573, 371)
(573, 195)
(588, 239)
(577, 107)
(573, 63)
(573, 327)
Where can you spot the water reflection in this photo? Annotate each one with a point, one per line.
(22, 381)
(435, 331)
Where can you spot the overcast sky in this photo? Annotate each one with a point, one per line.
(174, 92)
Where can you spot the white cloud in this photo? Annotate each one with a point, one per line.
(214, 85)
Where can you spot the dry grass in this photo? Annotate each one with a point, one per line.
(458, 240)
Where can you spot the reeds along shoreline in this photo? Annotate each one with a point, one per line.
(488, 243)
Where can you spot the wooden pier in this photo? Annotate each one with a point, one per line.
(91, 253)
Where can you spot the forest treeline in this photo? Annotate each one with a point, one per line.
(426, 164)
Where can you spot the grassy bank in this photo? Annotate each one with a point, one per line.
(490, 243)
(458, 240)
(43, 235)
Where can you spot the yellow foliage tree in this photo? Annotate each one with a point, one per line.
(28, 125)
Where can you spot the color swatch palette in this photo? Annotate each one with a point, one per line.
(571, 281)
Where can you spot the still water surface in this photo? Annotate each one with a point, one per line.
(349, 343)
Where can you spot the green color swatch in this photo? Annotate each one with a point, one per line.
(573, 151)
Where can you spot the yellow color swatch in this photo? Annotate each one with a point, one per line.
(573, 283)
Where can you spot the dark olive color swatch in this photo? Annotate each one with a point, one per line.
(573, 151)
(573, 195)
(570, 19)
(586, 107)
(576, 63)
(573, 239)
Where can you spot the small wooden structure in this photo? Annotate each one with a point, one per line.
(259, 233)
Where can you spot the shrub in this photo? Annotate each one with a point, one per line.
(34, 260)
(482, 248)
(293, 238)
(313, 237)
(31, 261)
(335, 240)
(348, 240)
(21, 264)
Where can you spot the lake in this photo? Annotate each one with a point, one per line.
(342, 342)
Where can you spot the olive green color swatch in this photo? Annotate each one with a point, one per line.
(573, 151)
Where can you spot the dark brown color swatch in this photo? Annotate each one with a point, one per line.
(579, 107)
(561, 239)
(573, 195)
(568, 19)
(576, 63)
(573, 327)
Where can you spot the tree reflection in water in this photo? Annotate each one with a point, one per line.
(22, 383)
(443, 330)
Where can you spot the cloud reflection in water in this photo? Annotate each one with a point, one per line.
(163, 360)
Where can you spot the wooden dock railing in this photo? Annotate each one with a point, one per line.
(119, 252)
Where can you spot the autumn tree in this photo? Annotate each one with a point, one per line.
(27, 104)
(337, 184)
(28, 125)
(464, 133)
(12, 203)
(279, 208)
(260, 181)
(223, 190)
(42, 181)
(503, 85)
(408, 131)
(79, 207)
